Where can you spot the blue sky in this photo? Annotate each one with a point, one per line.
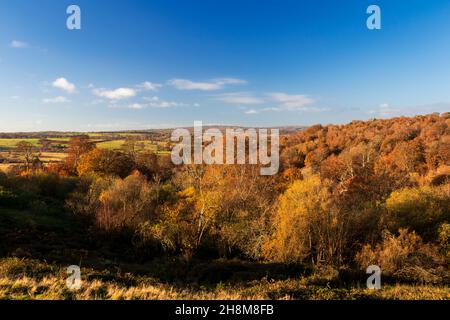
(152, 64)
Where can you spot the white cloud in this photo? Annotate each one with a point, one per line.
(59, 99)
(136, 106)
(183, 84)
(117, 94)
(124, 92)
(251, 111)
(385, 110)
(166, 104)
(156, 102)
(147, 85)
(239, 98)
(63, 84)
(288, 102)
(126, 125)
(152, 102)
(16, 44)
(225, 81)
(214, 84)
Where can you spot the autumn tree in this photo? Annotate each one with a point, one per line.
(45, 144)
(78, 146)
(104, 162)
(244, 203)
(421, 209)
(308, 228)
(133, 146)
(27, 150)
(125, 203)
(147, 162)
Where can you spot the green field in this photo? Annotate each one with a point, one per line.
(118, 144)
(11, 143)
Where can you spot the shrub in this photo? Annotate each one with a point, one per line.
(405, 257)
(126, 203)
(444, 238)
(15, 268)
(308, 226)
(421, 209)
(8, 198)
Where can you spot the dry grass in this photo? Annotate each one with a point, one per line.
(53, 288)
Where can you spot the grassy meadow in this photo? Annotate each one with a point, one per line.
(18, 282)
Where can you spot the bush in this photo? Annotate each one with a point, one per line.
(407, 258)
(126, 203)
(16, 268)
(420, 209)
(53, 186)
(8, 198)
(444, 239)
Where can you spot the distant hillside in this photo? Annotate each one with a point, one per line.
(400, 147)
(152, 134)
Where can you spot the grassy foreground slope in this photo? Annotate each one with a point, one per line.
(37, 246)
(54, 287)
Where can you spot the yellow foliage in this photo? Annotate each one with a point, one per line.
(301, 210)
(421, 209)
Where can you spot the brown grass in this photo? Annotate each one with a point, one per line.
(51, 288)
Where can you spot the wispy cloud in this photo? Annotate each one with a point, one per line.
(225, 81)
(126, 125)
(157, 102)
(136, 106)
(385, 110)
(64, 84)
(16, 44)
(153, 102)
(251, 111)
(289, 102)
(242, 98)
(116, 94)
(124, 92)
(214, 84)
(59, 99)
(149, 86)
(282, 102)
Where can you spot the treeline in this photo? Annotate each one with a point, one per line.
(348, 196)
